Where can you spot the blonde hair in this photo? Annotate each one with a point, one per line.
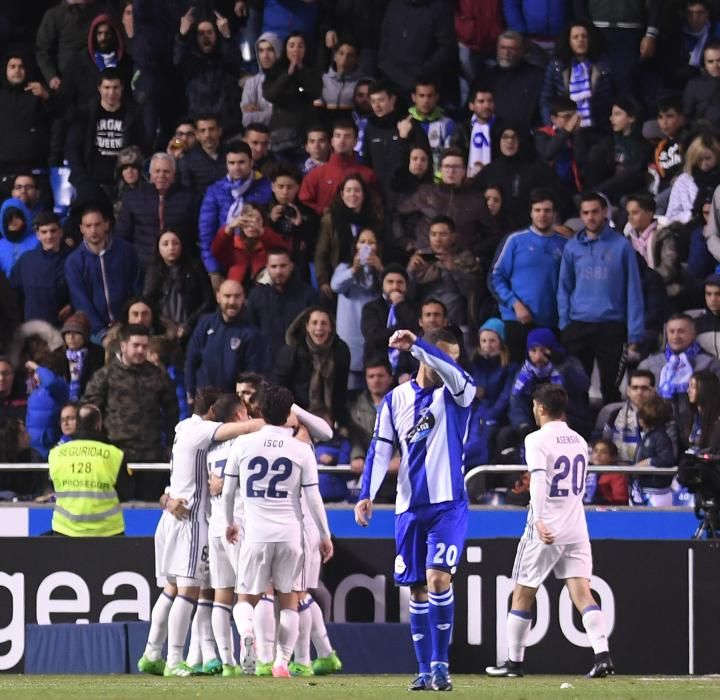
(695, 150)
(504, 354)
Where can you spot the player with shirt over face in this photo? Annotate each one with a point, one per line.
(556, 536)
(272, 469)
(181, 537)
(428, 418)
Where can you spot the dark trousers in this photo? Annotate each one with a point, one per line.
(602, 342)
(516, 335)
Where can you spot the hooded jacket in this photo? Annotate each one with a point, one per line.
(338, 89)
(252, 89)
(100, 284)
(600, 283)
(13, 245)
(43, 411)
(80, 81)
(294, 366)
(214, 210)
(24, 125)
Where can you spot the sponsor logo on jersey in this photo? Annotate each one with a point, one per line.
(400, 565)
(422, 428)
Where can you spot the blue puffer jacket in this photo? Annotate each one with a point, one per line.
(544, 18)
(214, 209)
(282, 17)
(11, 248)
(43, 411)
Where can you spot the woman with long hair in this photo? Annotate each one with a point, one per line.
(356, 281)
(703, 429)
(350, 213)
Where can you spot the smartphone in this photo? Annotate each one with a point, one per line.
(428, 257)
(364, 252)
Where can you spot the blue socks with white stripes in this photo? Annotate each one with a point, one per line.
(420, 631)
(441, 610)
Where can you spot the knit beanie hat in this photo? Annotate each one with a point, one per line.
(543, 337)
(496, 326)
(77, 323)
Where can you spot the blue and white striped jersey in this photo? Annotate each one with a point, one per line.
(430, 426)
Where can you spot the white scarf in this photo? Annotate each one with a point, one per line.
(580, 90)
(696, 55)
(480, 148)
(237, 189)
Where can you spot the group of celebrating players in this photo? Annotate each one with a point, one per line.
(267, 531)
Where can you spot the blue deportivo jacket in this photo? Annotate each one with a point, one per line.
(219, 351)
(526, 268)
(600, 283)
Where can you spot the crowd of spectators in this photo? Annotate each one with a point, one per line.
(194, 190)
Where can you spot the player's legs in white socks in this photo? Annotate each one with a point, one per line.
(318, 631)
(518, 628)
(203, 614)
(194, 655)
(159, 623)
(179, 623)
(302, 646)
(264, 624)
(221, 615)
(287, 631)
(243, 614)
(594, 624)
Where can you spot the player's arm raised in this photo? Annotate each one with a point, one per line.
(377, 462)
(311, 492)
(317, 427)
(458, 382)
(230, 484)
(538, 490)
(227, 431)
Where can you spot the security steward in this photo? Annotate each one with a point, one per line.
(84, 472)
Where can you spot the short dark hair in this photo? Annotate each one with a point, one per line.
(89, 417)
(436, 302)
(239, 147)
(713, 45)
(654, 412)
(205, 397)
(279, 251)
(94, 208)
(45, 218)
(225, 407)
(451, 152)
(440, 335)
(562, 104)
(346, 124)
(611, 446)
(207, 117)
(275, 404)
(553, 398)
(642, 373)
(669, 103)
(249, 378)
(382, 86)
(110, 74)
(542, 194)
(626, 104)
(377, 361)
(286, 171)
(317, 127)
(129, 329)
(257, 126)
(476, 88)
(442, 219)
(644, 200)
(591, 196)
(426, 80)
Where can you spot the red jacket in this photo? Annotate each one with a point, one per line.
(237, 259)
(320, 185)
(478, 24)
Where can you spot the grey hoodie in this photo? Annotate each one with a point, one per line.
(252, 89)
(338, 90)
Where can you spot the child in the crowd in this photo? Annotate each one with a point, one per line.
(438, 127)
(83, 357)
(655, 450)
(537, 369)
(667, 159)
(50, 392)
(334, 487)
(606, 489)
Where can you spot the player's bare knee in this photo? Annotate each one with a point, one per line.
(170, 590)
(224, 596)
(438, 581)
(580, 594)
(523, 597)
(288, 601)
(419, 593)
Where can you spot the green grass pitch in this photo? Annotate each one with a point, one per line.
(351, 687)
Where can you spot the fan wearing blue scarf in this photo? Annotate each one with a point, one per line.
(537, 368)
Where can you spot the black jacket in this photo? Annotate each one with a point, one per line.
(376, 332)
(291, 95)
(198, 170)
(139, 223)
(516, 91)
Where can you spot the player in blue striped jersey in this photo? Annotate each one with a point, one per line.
(428, 418)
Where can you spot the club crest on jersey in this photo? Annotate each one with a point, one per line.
(422, 428)
(400, 565)
(235, 343)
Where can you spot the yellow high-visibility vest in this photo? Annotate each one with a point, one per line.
(84, 473)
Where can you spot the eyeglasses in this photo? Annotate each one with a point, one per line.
(182, 134)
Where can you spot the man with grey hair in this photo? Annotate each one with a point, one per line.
(514, 82)
(154, 207)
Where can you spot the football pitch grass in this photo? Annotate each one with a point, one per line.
(351, 687)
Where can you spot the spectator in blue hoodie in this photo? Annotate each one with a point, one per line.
(541, 20)
(47, 398)
(224, 199)
(17, 234)
(103, 273)
(600, 300)
(524, 275)
(39, 275)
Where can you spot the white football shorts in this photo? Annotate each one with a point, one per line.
(223, 562)
(264, 563)
(535, 560)
(181, 550)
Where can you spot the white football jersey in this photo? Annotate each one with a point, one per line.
(562, 454)
(272, 467)
(188, 467)
(217, 458)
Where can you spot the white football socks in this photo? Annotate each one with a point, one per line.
(264, 622)
(158, 627)
(287, 636)
(595, 627)
(302, 646)
(318, 632)
(178, 626)
(222, 632)
(518, 628)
